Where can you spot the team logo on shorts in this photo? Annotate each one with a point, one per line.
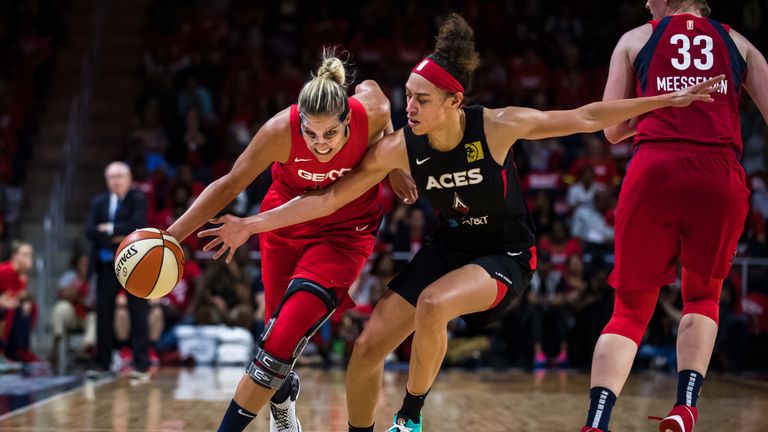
(474, 151)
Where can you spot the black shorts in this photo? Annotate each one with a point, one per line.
(434, 261)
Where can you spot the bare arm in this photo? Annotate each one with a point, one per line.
(271, 143)
(380, 125)
(621, 85)
(526, 123)
(376, 107)
(757, 71)
(385, 155)
(382, 157)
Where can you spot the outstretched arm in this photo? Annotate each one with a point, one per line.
(271, 143)
(526, 123)
(384, 156)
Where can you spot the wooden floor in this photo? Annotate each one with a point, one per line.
(195, 399)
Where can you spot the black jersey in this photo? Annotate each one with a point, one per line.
(480, 205)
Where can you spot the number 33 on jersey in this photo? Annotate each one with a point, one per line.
(682, 51)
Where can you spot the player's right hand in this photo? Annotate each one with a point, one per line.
(231, 234)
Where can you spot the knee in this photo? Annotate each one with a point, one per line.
(701, 297)
(365, 352)
(431, 311)
(631, 314)
(708, 307)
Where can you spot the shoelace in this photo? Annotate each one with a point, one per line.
(282, 418)
(399, 428)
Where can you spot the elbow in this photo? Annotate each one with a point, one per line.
(365, 86)
(587, 122)
(613, 135)
(329, 207)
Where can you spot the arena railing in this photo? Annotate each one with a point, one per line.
(54, 241)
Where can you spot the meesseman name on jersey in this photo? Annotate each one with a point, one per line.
(676, 83)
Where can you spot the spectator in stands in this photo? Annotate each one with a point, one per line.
(591, 224)
(546, 299)
(196, 97)
(195, 144)
(179, 303)
(759, 195)
(604, 168)
(543, 213)
(658, 345)
(72, 311)
(366, 292)
(560, 246)
(155, 328)
(113, 215)
(582, 194)
(571, 83)
(225, 296)
(574, 283)
(406, 229)
(732, 333)
(150, 136)
(592, 311)
(18, 310)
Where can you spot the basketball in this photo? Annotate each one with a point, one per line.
(149, 263)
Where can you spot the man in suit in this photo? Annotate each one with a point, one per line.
(113, 215)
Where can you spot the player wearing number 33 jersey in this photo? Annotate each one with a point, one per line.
(684, 199)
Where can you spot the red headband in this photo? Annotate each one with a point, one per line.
(438, 76)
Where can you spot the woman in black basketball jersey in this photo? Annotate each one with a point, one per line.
(482, 254)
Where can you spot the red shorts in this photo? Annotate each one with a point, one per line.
(330, 251)
(331, 262)
(678, 201)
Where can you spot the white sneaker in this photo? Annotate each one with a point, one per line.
(139, 377)
(282, 416)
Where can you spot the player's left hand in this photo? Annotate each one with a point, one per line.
(403, 186)
(701, 92)
(231, 234)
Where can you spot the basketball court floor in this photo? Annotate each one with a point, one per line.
(194, 400)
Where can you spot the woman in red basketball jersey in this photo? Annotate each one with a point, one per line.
(684, 197)
(307, 269)
(481, 255)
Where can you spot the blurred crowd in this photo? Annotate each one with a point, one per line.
(31, 32)
(213, 72)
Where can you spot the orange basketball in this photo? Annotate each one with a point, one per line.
(149, 263)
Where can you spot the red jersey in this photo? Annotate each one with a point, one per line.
(10, 281)
(682, 51)
(302, 172)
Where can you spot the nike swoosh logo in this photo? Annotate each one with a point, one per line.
(240, 411)
(419, 162)
(360, 229)
(301, 160)
(514, 253)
